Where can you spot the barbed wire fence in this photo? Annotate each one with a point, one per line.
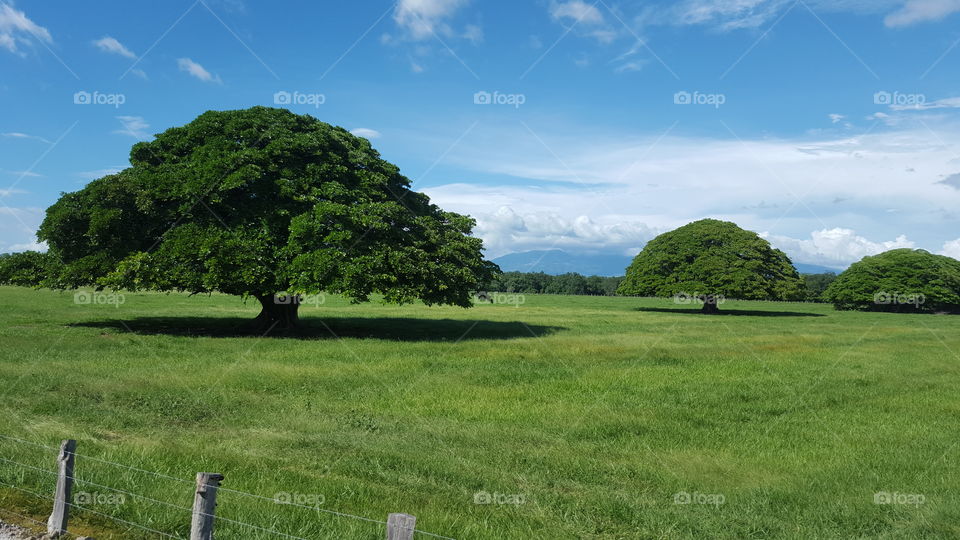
(202, 516)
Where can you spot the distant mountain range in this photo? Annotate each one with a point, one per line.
(557, 261)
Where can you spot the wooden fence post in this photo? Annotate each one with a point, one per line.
(204, 505)
(57, 524)
(401, 526)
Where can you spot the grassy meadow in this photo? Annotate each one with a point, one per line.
(581, 417)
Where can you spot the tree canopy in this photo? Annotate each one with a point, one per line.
(711, 258)
(899, 280)
(25, 268)
(260, 201)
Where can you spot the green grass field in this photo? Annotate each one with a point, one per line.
(780, 420)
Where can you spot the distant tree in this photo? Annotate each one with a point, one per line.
(541, 283)
(261, 201)
(816, 285)
(710, 259)
(899, 280)
(26, 268)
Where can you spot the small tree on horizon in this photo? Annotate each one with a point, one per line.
(258, 202)
(710, 259)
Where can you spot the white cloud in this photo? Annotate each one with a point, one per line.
(139, 73)
(93, 175)
(951, 249)
(366, 133)
(16, 27)
(28, 246)
(505, 231)
(576, 11)
(832, 185)
(134, 126)
(836, 118)
(196, 70)
(948, 103)
(24, 174)
(19, 227)
(108, 44)
(421, 19)
(835, 248)
(8, 192)
(17, 135)
(918, 11)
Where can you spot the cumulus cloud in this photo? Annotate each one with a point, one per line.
(506, 231)
(951, 249)
(919, 11)
(196, 70)
(366, 133)
(788, 188)
(16, 28)
(134, 126)
(421, 19)
(110, 45)
(835, 248)
(576, 11)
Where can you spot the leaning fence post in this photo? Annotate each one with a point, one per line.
(401, 526)
(204, 504)
(57, 524)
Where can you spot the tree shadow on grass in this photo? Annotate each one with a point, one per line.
(388, 328)
(733, 312)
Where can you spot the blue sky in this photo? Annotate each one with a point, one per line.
(829, 127)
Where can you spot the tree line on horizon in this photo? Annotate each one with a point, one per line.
(293, 206)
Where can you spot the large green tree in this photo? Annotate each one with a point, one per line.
(258, 202)
(899, 280)
(711, 259)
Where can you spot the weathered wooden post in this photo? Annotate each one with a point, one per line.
(57, 524)
(204, 505)
(401, 526)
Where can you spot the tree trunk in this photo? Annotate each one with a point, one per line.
(277, 312)
(709, 305)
